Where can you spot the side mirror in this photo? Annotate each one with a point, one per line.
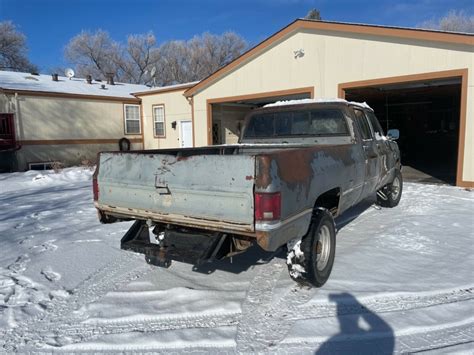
(393, 134)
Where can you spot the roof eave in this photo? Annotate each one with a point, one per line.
(399, 32)
(182, 87)
(69, 95)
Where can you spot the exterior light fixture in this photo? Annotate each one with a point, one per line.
(299, 53)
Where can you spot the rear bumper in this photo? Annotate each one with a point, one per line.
(203, 223)
(270, 235)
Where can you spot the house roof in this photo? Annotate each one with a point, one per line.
(331, 26)
(43, 84)
(162, 89)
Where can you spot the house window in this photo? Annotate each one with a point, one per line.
(159, 120)
(132, 119)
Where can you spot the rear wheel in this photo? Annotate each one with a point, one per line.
(310, 261)
(390, 194)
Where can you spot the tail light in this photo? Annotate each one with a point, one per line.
(95, 188)
(267, 206)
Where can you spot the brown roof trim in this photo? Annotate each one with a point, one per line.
(72, 96)
(165, 89)
(75, 141)
(417, 34)
(389, 31)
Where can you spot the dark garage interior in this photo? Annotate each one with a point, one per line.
(427, 114)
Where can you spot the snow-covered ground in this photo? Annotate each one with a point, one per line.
(402, 282)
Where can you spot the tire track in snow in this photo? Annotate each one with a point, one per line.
(272, 323)
(261, 325)
(384, 304)
(443, 337)
(80, 332)
(251, 332)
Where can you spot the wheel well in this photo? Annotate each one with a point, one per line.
(329, 200)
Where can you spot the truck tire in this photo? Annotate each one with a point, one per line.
(390, 194)
(310, 261)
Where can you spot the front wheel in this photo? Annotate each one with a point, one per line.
(390, 194)
(310, 261)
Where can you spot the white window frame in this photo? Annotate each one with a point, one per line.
(134, 119)
(155, 121)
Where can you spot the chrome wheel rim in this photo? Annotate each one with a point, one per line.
(395, 190)
(323, 247)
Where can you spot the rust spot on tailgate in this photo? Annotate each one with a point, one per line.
(248, 177)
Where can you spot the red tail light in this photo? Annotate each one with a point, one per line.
(267, 206)
(95, 188)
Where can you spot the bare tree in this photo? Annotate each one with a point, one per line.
(141, 57)
(173, 66)
(94, 54)
(136, 61)
(454, 21)
(313, 14)
(13, 50)
(199, 57)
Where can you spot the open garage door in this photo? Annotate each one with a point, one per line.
(427, 113)
(226, 115)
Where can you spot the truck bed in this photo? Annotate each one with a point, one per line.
(213, 187)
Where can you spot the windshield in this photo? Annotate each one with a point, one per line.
(316, 122)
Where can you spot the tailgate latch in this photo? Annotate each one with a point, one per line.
(162, 185)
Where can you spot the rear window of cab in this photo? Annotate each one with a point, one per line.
(315, 122)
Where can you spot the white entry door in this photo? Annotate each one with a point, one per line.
(186, 134)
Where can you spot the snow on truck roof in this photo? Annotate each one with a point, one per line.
(76, 86)
(319, 101)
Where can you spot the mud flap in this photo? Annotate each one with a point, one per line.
(189, 246)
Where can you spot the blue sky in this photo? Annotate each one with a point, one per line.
(49, 24)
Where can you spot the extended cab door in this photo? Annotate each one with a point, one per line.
(382, 148)
(371, 151)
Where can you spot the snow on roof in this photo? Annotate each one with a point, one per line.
(76, 86)
(152, 90)
(320, 101)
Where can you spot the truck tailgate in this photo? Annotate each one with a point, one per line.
(210, 191)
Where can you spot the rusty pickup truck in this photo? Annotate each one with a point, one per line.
(298, 165)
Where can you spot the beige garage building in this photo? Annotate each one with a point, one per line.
(419, 81)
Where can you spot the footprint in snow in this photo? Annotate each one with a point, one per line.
(46, 246)
(20, 225)
(50, 274)
(26, 239)
(59, 294)
(42, 228)
(20, 264)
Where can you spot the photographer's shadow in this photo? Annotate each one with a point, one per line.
(361, 330)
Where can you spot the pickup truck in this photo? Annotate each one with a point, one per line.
(298, 165)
